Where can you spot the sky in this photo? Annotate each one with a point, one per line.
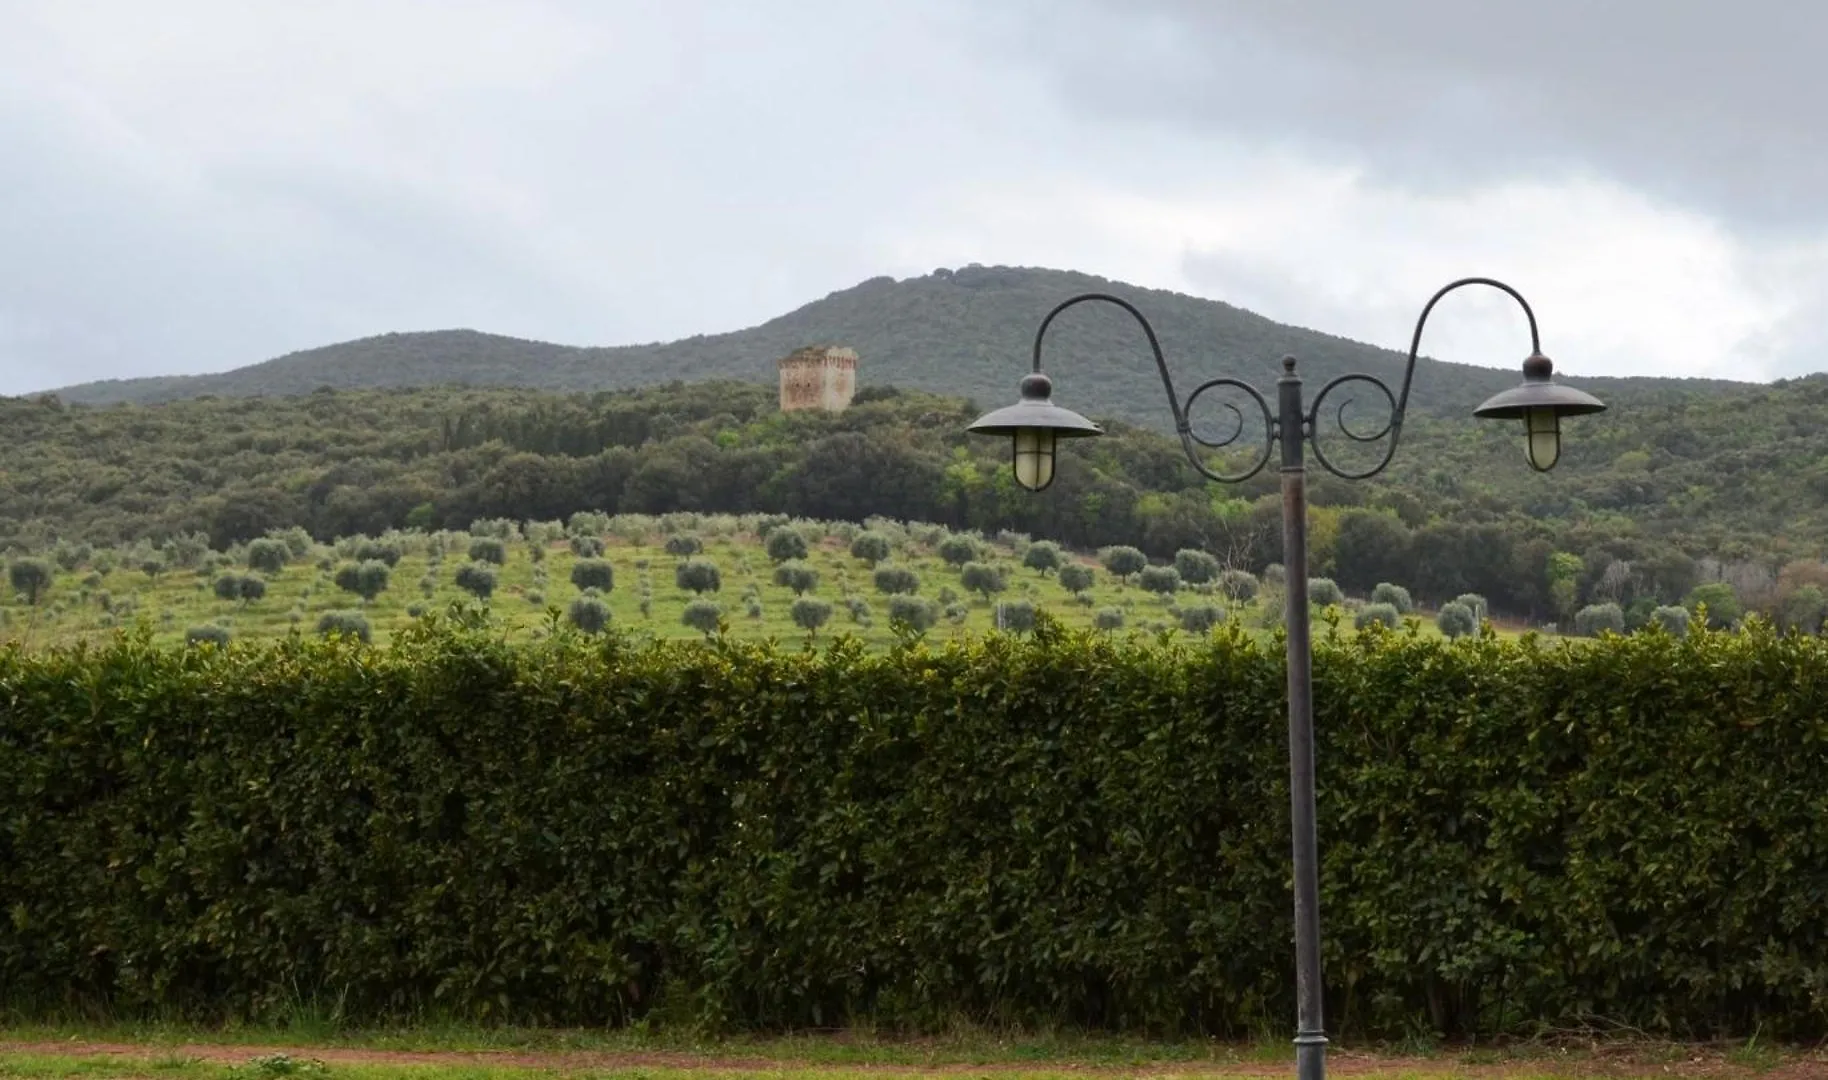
(196, 185)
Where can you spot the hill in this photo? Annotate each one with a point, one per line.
(961, 332)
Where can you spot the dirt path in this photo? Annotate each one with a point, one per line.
(1624, 1062)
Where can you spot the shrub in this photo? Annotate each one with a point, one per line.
(982, 578)
(809, 614)
(382, 551)
(698, 575)
(367, 580)
(589, 614)
(1394, 595)
(1480, 608)
(30, 578)
(71, 556)
(477, 579)
(1195, 567)
(1162, 580)
(489, 549)
(1108, 618)
(956, 550)
(913, 612)
(152, 566)
(896, 580)
(1200, 618)
(587, 547)
(784, 545)
(1323, 591)
(859, 610)
(1384, 614)
(593, 574)
(350, 624)
(243, 588)
(1596, 619)
(1239, 586)
(1077, 577)
(268, 555)
(797, 576)
(1722, 603)
(1017, 616)
(870, 547)
(703, 616)
(1456, 620)
(209, 633)
(1673, 618)
(1042, 556)
(1123, 562)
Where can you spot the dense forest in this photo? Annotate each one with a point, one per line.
(1648, 503)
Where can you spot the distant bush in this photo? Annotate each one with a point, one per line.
(245, 588)
(1324, 591)
(703, 616)
(684, 545)
(588, 613)
(870, 547)
(913, 612)
(1195, 567)
(367, 579)
(1042, 555)
(30, 578)
(1200, 618)
(1394, 595)
(1238, 585)
(1162, 580)
(587, 547)
(384, 551)
(982, 578)
(784, 545)
(593, 574)
(1077, 577)
(956, 550)
(489, 549)
(896, 580)
(210, 634)
(1456, 620)
(1384, 614)
(1108, 618)
(1480, 608)
(268, 555)
(809, 614)
(698, 575)
(477, 579)
(1123, 561)
(1596, 619)
(1722, 603)
(1018, 616)
(351, 624)
(1672, 618)
(797, 576)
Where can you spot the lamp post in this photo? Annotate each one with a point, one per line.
(1035, 425)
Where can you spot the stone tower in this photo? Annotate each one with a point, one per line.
(820, 377)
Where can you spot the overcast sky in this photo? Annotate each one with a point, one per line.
(194, 185)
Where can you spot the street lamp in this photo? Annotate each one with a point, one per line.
(1035, 425)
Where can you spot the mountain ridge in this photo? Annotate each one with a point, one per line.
(966, 331)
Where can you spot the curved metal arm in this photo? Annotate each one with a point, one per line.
(1397, 403)
(1182, 424)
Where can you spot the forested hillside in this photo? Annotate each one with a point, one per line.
(1648, 502)
(965, 332)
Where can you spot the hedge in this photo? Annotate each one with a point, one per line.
(1079, 829)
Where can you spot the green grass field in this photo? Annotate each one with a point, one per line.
(108, 591)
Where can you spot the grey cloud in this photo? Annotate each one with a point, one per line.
(1715, 106)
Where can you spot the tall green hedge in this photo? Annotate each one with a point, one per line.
(1058, 828)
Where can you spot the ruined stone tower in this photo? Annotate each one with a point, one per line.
(820, 377)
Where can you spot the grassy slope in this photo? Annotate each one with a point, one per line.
(297, 598)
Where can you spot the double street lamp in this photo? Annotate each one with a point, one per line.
(1035, 425)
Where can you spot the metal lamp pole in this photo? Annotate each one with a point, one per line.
(1036, 424)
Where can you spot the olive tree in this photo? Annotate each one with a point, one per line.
(365, 579)
(809, 614)
(268, 555)
(913, 612)
(593, 574)
(1384, 614)
(1596, 619)
(30, 578)
(1456, 620)
(345, 624)
(870, 547)
(588, 613)
(785, 545)
(896, 580)
(703, 616)
(1324, 591)
(1201, 618)
(1196, 567)
(1394, 595)
(797, 576)
(1123, 561)
(1076, 577)
(982, 578)
(698, 575)
(957, 550)
(684, 545)
(477, 579)
(489, 549)
(1042, 556)
(1162, 580)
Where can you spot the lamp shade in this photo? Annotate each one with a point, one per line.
(1540, 403)
(1034, 425)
